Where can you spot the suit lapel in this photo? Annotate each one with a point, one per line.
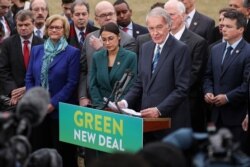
(195, 21)
(116, 66)
(232, 57)
(18, 44)
(185, 36)
(104, 66)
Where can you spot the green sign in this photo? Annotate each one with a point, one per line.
(100, 130)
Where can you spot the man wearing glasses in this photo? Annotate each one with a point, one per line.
(104, 13)
(40, 11)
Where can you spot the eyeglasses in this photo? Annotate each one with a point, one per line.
(55, 27)
(105, 15)
(108, 39)
(38, 9)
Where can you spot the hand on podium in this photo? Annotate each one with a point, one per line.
(152, 112)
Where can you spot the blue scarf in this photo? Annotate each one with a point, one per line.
(51, 51)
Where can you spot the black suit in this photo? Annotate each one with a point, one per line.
(140, 40)
(246, 34)
(198, 49)
(202, 25)
(12, 68)
(138, 30)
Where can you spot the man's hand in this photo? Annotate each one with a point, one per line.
(150, 113)
(244, 123)
(209, 98)
(84, 101)
(220, 100)
(95, 42)
(50, 108)
(16, 95)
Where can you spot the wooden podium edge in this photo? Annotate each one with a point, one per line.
(155, 124)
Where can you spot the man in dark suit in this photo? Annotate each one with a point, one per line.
(225, 80)
(12, 61)
(79, 28)
(198, 49)
(197, 22)
(104, 13)
(242, 6)
(163, 76)
(6, 22)
(124, 14)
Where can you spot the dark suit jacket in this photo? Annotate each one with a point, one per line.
(231, 80)
(73, 40)
(138, 30)
(12, 68)
(140, 40)
(126, 42)
(246, 34)
(202, 25)
(63, 75)
(216, 35)
(167, 87)
(102, 81)
(198, 49)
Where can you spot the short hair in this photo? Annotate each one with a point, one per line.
(157, 4)
(158, 11)
(23, 15)
(246, 3)
(67, 1)
(54, 18)
(240, 18)
(79, 3)
(178, 4)
(118, 2)
(223, 10)
(110, 27)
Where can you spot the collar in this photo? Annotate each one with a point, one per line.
(179, 33)
(191, 14)
(235, 44)
(78, 32)
(41, 29)
(30, 39)
(163, 43)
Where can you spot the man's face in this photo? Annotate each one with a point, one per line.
(105, 14)
(158, 29)
(80, 16)
(4, 7)
(67, 9)
(40, 12)
(25, 28)
(123, 14)
(238, 5)
(221, 18)
(176, 17)
(230, 31)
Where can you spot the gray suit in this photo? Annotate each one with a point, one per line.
(126, 42)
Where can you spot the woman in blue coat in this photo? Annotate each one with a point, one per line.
(54, 66)
(109, 65)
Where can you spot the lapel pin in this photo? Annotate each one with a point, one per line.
(118, 63)
(195, 23)
(237, 51)
(137, 32)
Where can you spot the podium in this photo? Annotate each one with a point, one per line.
(154, 124)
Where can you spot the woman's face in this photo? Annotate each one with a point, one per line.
(110, 40)
(56, 30)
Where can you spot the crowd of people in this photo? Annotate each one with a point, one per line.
(184, 67)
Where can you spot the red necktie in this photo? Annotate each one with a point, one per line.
(26, 53)
(125, 29)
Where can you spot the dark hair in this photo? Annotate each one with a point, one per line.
(118, 2)
(157, 4)
(240, 18)
(67, 1)
(222, 10)
(23, 15)
(79, 3)
(110, 27)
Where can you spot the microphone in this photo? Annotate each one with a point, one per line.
(122, 80)
(32, 108)
(121, 90)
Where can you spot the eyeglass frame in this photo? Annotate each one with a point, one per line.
(105, 15)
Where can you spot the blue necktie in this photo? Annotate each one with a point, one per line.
(227, 55)
(156, 58)
(82, 37)
(38, 33)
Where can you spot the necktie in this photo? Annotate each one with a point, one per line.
(82, 37)
(38, 33)
(187, 21)
(125, 29)
(227, 55)
(26, 53)
(156, 58)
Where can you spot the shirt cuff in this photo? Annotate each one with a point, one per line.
(125, 103)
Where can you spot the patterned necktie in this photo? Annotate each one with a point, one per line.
(227, 55)
(156, 58)
(38, 33)
(26, 53)
(125, 29)
(82, 37)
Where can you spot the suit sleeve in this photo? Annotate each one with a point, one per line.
(208, 77)
(130, 45)
(29, 78)
(95, 94)
(182, 65)
(6, 78)
(72, 80)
